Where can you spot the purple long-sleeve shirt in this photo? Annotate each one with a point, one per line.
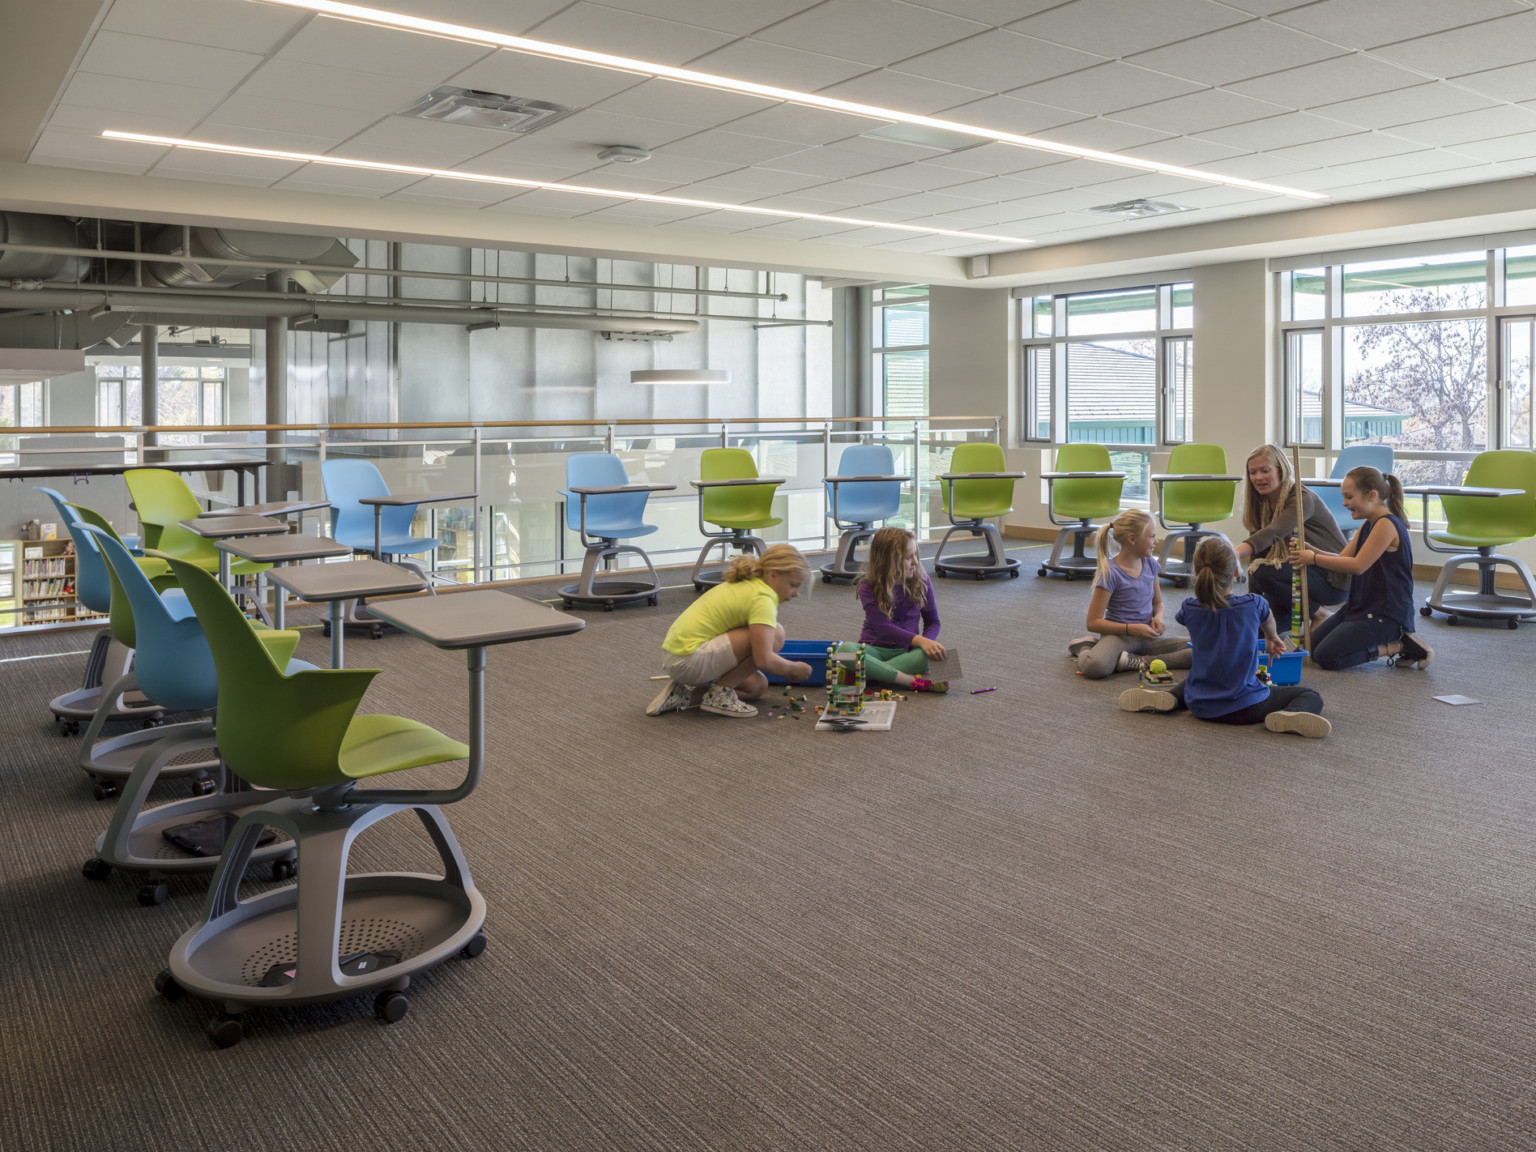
(901, 627)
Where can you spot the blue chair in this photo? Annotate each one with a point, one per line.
(604, 507)
(1378, 456)
(349, 481)
(857, 507)
(109, 659)
(174, 667)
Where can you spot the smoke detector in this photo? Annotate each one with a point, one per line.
(1138, 209)
(624, 154)
(477, 109)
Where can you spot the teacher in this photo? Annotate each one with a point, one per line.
(1269, 514)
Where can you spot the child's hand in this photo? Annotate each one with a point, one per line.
(1145, 631)
(797, 671)
(1302, 556)
(1157, 625)
(1274, 645)
(929, 648)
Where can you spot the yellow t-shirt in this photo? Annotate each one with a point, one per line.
(722, 608)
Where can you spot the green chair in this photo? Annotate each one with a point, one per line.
(162, 500)
(1083, 488)
(977, 488)
(1474, 527)
(330, 935)
(1186, 505)
(732, 497)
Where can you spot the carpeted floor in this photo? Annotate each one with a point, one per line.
(1021, 920)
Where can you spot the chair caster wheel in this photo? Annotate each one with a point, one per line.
(105, 789)
(204, 787)
(377, 633)
(1513, 624)
(1452, 620)
(697, 587)
(1426, 610)
(1042, 572)
(607, 605)
(981, 575)
(96, 869)
(154, 893)
(566, 604)
(653, 601)
(226, 1031)
(152, 722)
(166, 986)
(69, 728)
(1013, 573)
(391, 1006)
(284, 869)
(475, 946)
(325, 629)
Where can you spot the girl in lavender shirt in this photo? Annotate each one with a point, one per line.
(1125, 616)
(901, 624)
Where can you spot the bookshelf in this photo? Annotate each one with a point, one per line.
(42, 582)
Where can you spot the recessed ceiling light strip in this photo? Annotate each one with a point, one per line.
(580, 189)
(386, 19)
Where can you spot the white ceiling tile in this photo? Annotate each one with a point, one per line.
(716, 144)
(1051, 203)
(294, 80)
(1516, 83)
(1148, 185)
(639, 212)
(1186, 151)
(452, 192)
(1328, 81)
(765, 63)
(739, 18)
(1237, 53)
(998, 61)
(620, 177)
(903, 93)
(1456, 177)
(298, 183)
(432, 144)
(511, 16)
(264, 138)
(832, 162)
(148, 58)
(291, 116)
(1483, 124)
(153, 99)
(1006, 114)
(538, 78)
(799, 229)
(1279, 131)
(720, 222)
(97, 120)
(1369, 23)
(1370, 191)
(876, 32)
(259, 170)
(1342, 150)
(72, 149)
(1259, 165)
(387, 51)
(1076, 173)
(626, 33)
(759, 181)
(566, 203)
(991, 159)
(1402, 167)
(862, 237)
(998, 12)
(916, 177)
(684, 103)
(891, 151)
(220, 23)
(1199, 111)
(1216, 195)
(803, 125)
(926, 203)
(1266, 7)
(802, 202)
(1503, 149)
(1121, 27)
(603, 128)
(672, 170)
(346, 181)
(1475, 48)
(1106, 88)
(556, 205)
(512, 159)
(1427, 101)
(835, 197)
(1103, 135)
(997, 188)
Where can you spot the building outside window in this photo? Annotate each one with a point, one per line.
(189, 394)
(1112, 367)
(900, 335)
(21, 406)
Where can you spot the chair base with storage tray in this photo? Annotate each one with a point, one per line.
(734, 498)
(865, 493)
(1494, 507)
(1082, 489)
(977, 489)
(1195, 491)
(604, 507)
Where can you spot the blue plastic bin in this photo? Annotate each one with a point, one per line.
(812, 652)
(1284, 669)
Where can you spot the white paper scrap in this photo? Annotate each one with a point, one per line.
(1457, 699)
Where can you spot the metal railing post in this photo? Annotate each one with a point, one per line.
(917, 480)
(475, 522)
(826, 470)
(608, 440)
(724, 435)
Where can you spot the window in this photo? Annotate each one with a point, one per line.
(1114, 368)
(21, 406)
(900, 326)
(187, 394)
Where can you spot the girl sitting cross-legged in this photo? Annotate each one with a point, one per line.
(1126, 611)
(901, 623)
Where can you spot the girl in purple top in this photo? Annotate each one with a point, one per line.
(901, 624)
(1125, 616)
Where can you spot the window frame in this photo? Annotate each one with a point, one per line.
(879, 349)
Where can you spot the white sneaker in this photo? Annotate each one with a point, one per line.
(1308, 724)
(1147, 700)
(674, 697)
(719, 701)
(1076, 646)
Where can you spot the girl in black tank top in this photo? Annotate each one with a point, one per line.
(1377, 621)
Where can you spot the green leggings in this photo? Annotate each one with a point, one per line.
(883, 664)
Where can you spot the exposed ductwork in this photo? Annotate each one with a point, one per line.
(206, 247)
(31, 228)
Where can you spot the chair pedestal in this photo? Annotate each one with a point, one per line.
(588, 589)
(1077, 564)
(135, 839)
(1182, 570)
(330, 935)
(845, 565)
(740, 539)
(1487, 603)
(109, 762)
(108, 662)
(992, 562)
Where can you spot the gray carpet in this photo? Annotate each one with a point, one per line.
(1020, 920)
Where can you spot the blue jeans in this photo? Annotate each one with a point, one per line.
(1274, 584)
(1343, 643)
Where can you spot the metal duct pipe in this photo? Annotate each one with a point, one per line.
(61, 299)
(35, 232)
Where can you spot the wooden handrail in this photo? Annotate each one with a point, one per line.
(93, 429)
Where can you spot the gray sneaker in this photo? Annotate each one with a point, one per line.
(1147, 700)
(719, 701)
(674, 697)
(1076, 646)
(1308, 724)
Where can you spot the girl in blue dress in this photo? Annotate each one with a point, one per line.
(1377, 620)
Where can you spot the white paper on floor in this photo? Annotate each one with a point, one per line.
(1456, 699)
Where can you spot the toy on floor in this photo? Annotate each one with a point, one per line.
(1156, 675)
(845, 681)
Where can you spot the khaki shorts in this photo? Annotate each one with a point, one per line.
(704, 665)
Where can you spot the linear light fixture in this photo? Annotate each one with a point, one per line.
(378, 16)
(580, 189)
(654, 376)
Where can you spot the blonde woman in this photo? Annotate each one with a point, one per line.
(1269, 514)
(1125, 615)
(716, 652)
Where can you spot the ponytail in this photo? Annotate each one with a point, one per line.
(1129, 523)
(1214, 565)
(1387, 487)
(1395, 497)
(780, 558)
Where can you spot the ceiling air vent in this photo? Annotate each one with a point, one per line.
(1138, 209)
(486, 110)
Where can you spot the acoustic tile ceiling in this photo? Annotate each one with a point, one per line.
(1354, 99)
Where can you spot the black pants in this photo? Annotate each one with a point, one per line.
(1339, 643)
(1274, 584)
(1291, 698)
